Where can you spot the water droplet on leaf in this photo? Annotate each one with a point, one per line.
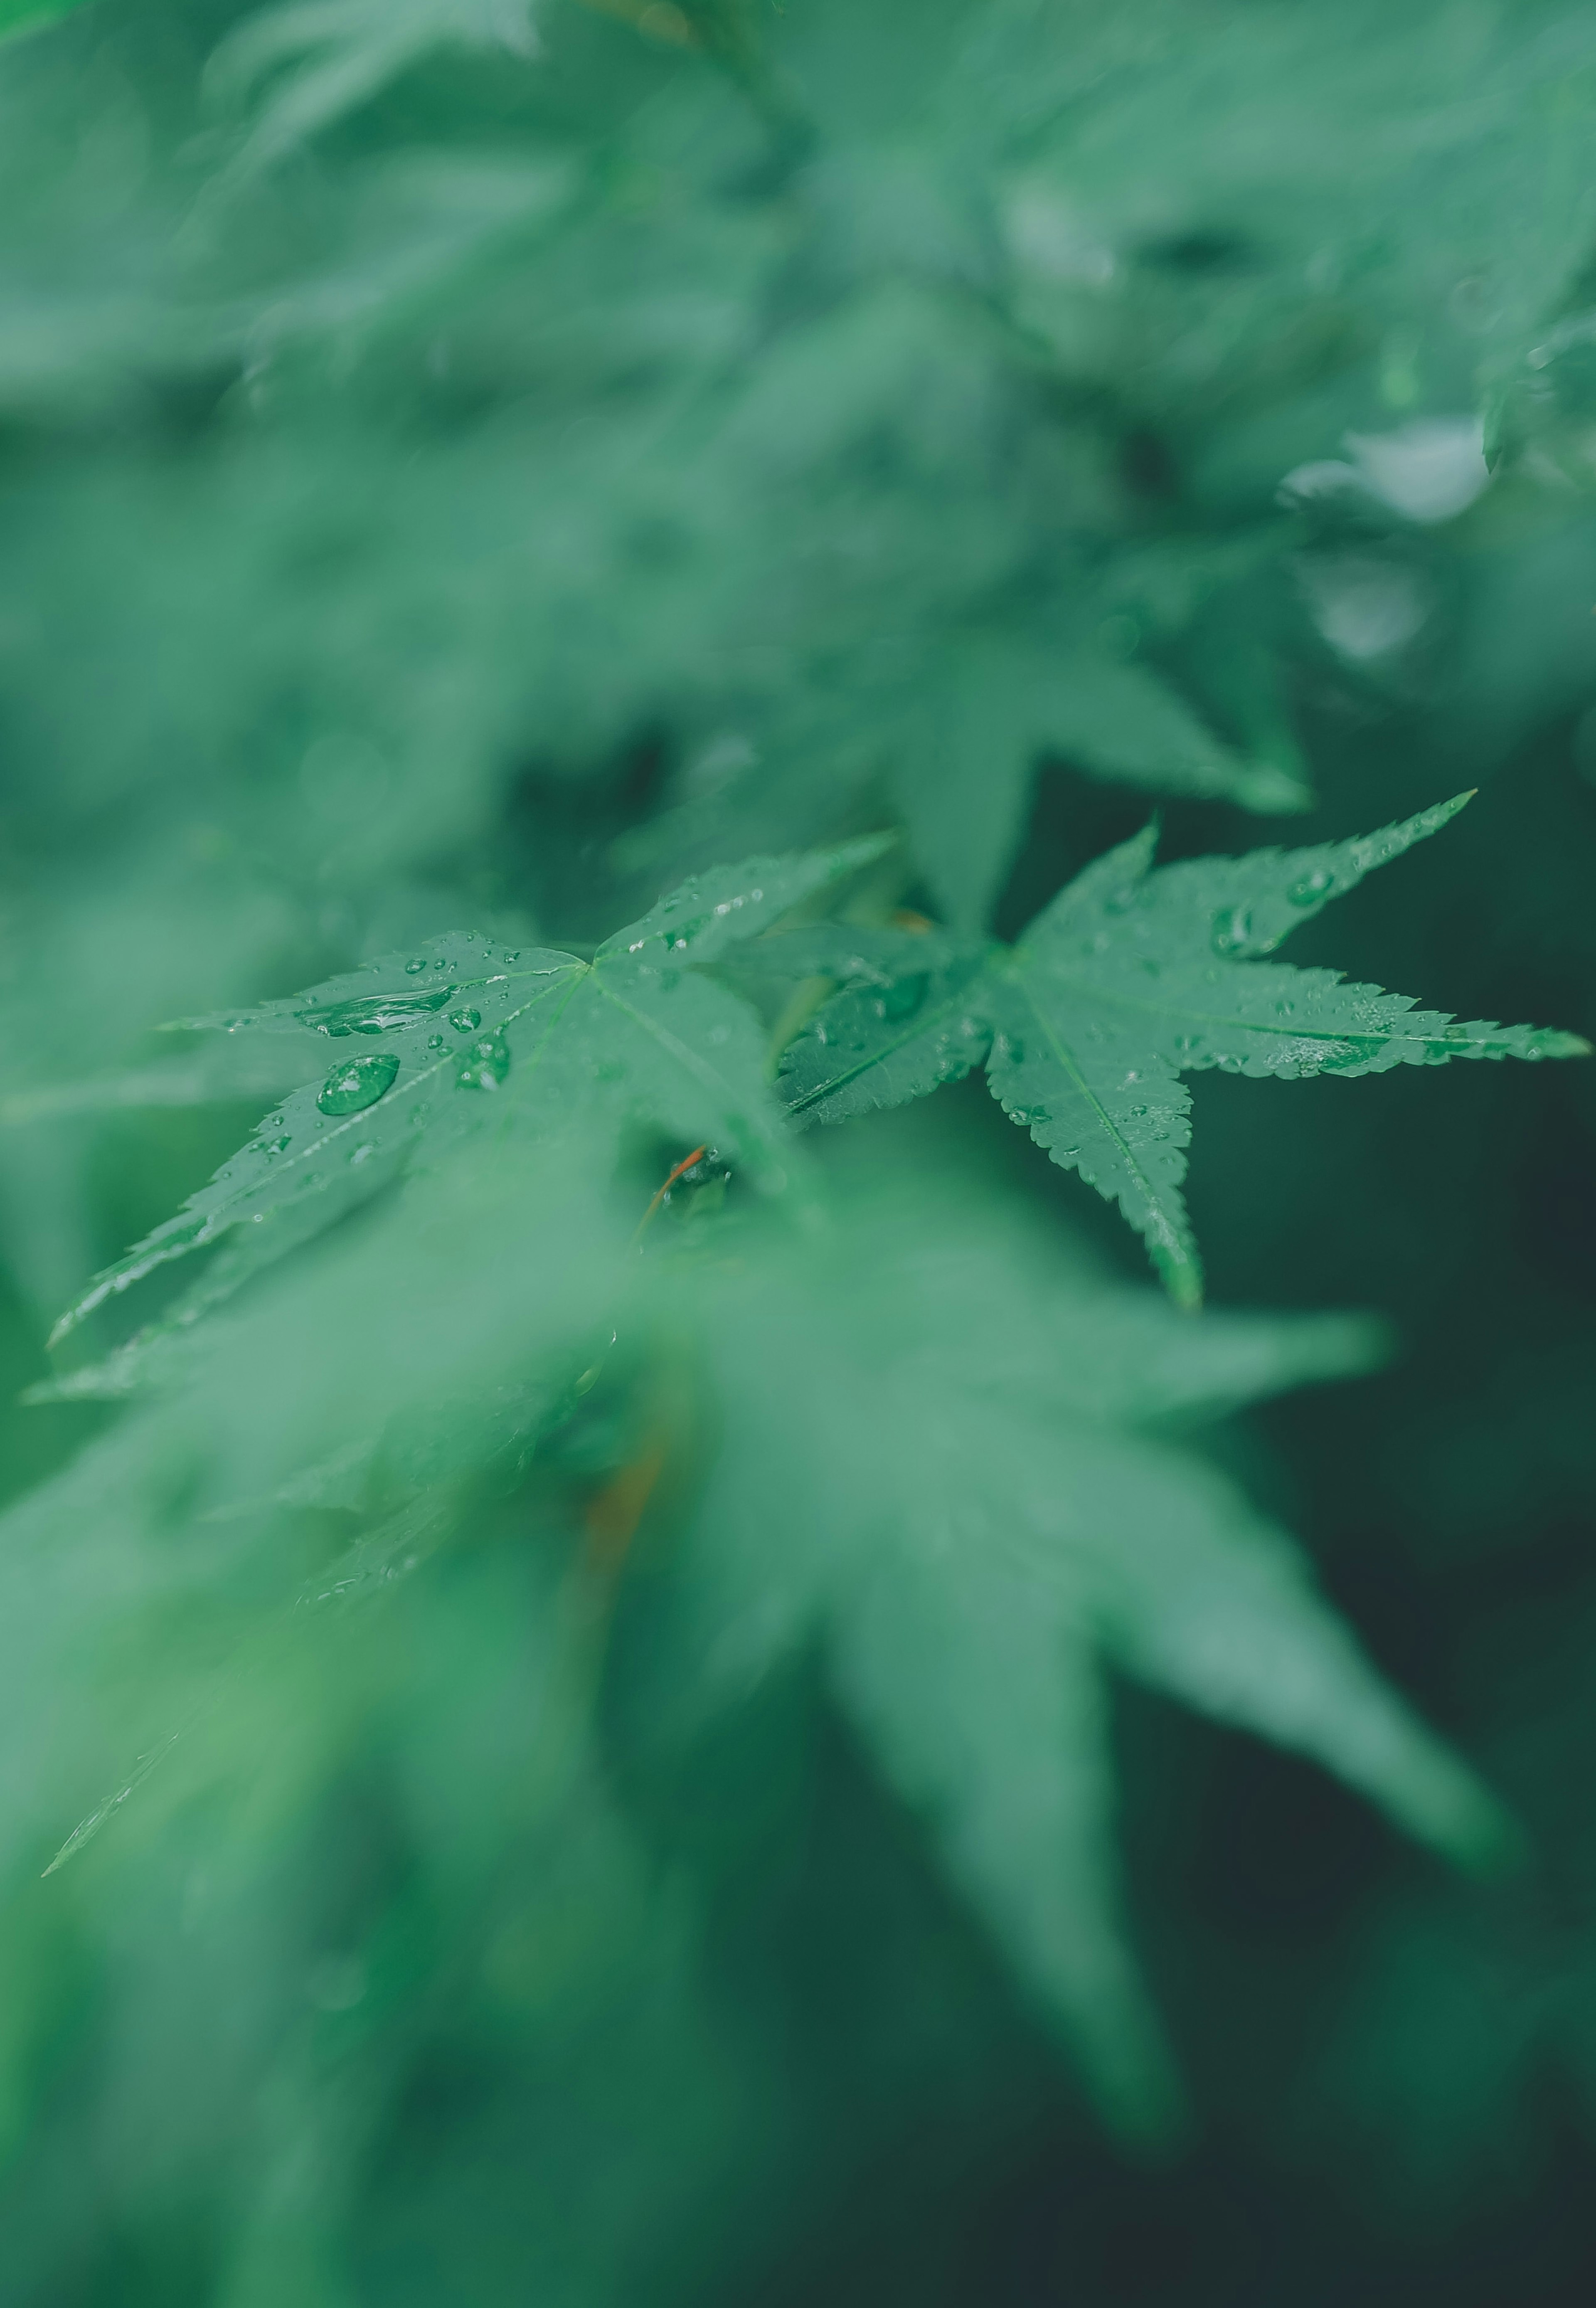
(1232, 930)
(904, 997)
(373, 1013)
(674, 940)
(1312, 887)
(464, 1022)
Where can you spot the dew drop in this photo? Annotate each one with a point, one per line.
(360, 1083)
(904, 997)
(413, 967)
(464, 1022)
(1232, 930)
(434, 1041)
(1312, 887)
(675, 940)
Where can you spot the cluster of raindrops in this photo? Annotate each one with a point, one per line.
(484, 1063)
(678, 935)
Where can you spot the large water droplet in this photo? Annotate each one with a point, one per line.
(464, 1022)
(360, 1083)
(412, 968)
(901, 999)
(1232, 930)
(373, 1013)
(486, 1064)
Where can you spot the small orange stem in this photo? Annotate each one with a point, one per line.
(684, 1164)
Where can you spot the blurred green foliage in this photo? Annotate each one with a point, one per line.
(588, 1683)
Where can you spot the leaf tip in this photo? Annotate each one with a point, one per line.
(1490, 1843)
(1183, 1280)
(1272, 792)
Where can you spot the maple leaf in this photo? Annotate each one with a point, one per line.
(422, 1049)
(1132, 977)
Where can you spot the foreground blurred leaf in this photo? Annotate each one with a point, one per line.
(942, 1447)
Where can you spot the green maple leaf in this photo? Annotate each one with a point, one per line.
(1131, 977)
(419, 1050)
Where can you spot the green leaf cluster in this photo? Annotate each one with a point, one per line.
(585, 1662)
